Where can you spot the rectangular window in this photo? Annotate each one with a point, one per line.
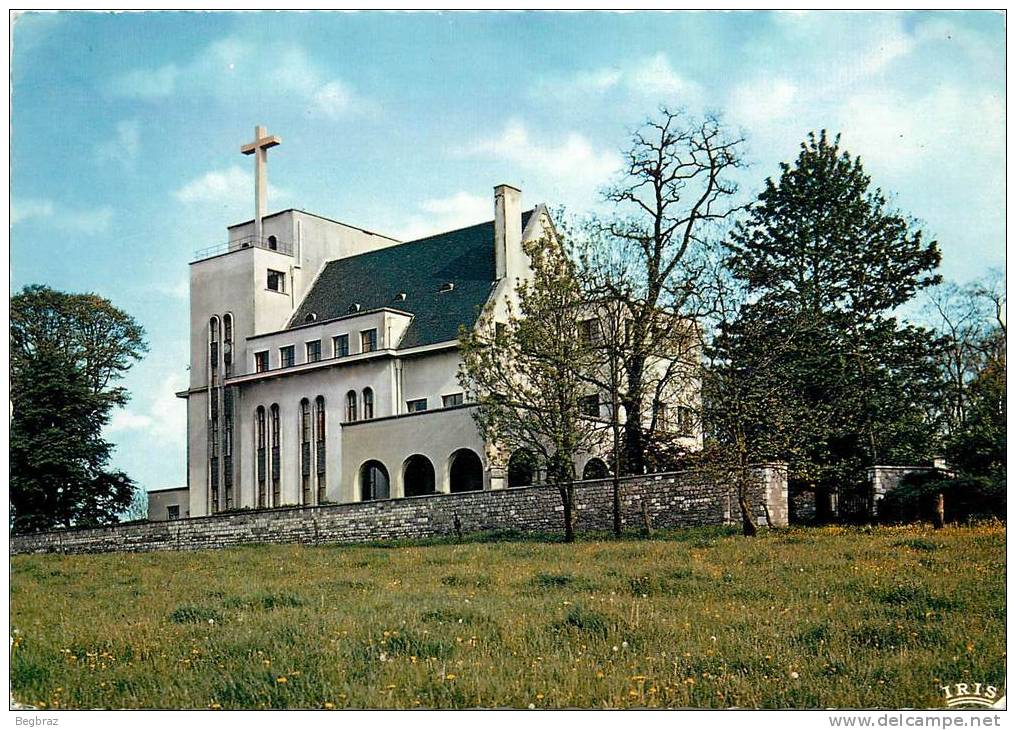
(173, 512)
(287, 356)
(455, 399)
(276, 281)
(590, 406)
(261, 361)
(415, 406)
(685, 425)
(589, 331)
(314, 351)
(340, 346)
(368, 340)
(500, 330)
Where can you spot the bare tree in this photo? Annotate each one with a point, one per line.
(674, 193)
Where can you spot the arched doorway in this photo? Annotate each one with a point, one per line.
(595, 469)
(466, 471)
(374, 483)
(418, 476)
(521, 468)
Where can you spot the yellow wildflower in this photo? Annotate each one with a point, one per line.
(281, 680)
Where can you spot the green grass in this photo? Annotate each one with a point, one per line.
(826, 617)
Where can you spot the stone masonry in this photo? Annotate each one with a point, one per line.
(680, 499)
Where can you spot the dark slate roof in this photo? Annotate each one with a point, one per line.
(373, 280)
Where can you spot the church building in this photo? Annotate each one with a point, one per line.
(324, 357)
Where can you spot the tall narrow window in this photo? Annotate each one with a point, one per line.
(368, 340)
(261, 361)
(276, 457)
(314, 351)
(227, 446)
(340, 346)
(319, 439)
(213, 345)
(287, 356)
(368, 404)
(351, 406)
(227, 343)
(305, 441)
(259, 427)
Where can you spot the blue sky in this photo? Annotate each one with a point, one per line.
(126, 131)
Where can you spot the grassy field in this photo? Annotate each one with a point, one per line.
(823, 617)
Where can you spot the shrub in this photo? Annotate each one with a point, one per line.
(194, 615)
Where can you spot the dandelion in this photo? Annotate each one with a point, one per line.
(281, 680)
(329, 706)
(794, 675)
(449, 677)
(615, 648)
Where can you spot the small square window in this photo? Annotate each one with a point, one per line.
(589, 332)
(261, 361)
(590, 406)
(340, 346)
(173, 512)
(455, 399)
(314, 351)
(415, 406)
(287, 356)
(276, 281)
(368, 340)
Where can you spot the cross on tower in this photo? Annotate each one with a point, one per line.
(259, 148)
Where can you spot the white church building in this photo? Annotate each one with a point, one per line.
(324, 358)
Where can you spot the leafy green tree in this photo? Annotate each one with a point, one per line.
(67, 352)
(522, 370)
(821, 255)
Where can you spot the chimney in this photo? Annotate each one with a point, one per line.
(507, 229)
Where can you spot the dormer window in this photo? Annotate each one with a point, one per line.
(311, 317)
(447, 286)
(354, 307)
(400, 297)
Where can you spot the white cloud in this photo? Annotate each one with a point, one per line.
(447, 214)
(123, 147)
(232, 185)
(235, 69)
(572, 158)
(763, 100)
(163, 416)
(656, 77)
(22, 210)
(86, 221)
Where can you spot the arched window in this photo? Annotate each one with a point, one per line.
(213, 345)
(373, 481)
(319, 438)
(368, 404)
(259, 430)
(351, 406)
(273, 243)
(521, 468)
(466, 471)
(418, 476)
(305, 440)
(595, 469)
(276, 456)
(227, 342)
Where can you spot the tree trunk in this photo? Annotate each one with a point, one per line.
(615, 481)
(567, 500)
(748, 526)
(647, 526)
(938, 516)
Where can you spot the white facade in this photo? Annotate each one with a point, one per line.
(350, 402)
(242, 300)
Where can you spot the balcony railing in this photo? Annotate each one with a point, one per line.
(270, 243)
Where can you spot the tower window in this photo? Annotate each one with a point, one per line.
(368, 403)
(276, 281)
(590, 406)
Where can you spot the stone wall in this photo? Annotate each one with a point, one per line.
(681, 499)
